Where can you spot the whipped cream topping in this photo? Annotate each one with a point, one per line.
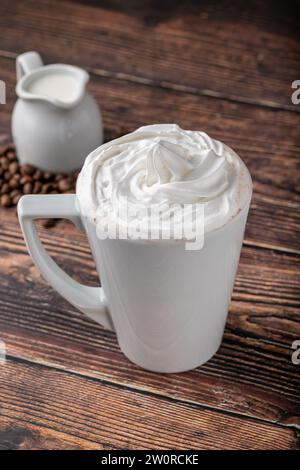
(164, 164)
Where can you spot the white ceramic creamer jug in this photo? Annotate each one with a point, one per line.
(55, 121)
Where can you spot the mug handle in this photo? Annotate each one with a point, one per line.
(89, 300)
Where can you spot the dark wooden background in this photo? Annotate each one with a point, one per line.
(222, 66)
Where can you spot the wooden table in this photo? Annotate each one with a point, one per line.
(224, 67)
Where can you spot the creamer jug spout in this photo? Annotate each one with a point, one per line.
(59, 84)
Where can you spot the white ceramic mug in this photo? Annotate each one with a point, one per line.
(167, 305)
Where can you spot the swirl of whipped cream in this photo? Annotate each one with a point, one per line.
(164, 164)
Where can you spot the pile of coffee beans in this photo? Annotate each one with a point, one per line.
(17, 179)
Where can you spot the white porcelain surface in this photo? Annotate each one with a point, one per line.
(49, 133)
(168, 306)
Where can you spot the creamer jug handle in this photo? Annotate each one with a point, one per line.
(27, 62)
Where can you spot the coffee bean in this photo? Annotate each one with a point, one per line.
(25, 179)
(37, 187)
(4, 162)
(13, 167)
(5, 200)
(74, 179)
(37, 175)
(47, 175)
(59, 177)
(27, 188)
(27, 169)
(16, 199)
(16, 179)
(15, 192)
(46, 188)
(16, 176)
(4, 188)
(10, 154)
(13, 183)
(64, 185)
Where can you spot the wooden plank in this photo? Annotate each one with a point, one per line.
(46, 403)
(247, 51)
(252, 374)
(16, 434)
(145, 64)
(267, 140)
(263, 277)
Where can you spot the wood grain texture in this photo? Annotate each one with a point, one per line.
(245, 51)
(225, 67)
(46, 402)
(252, 374)
(267, 140)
